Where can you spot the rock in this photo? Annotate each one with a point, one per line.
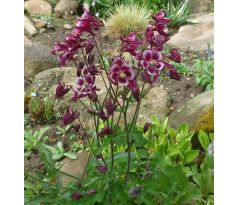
(40, 7)
(195, 37)
(156, 103)
(66, 8)
(73, 167)
(50, 26)
(37, 58)
(40, 24)
(198, 113)
(42, 30)
(68, 26)
(29, 27)
(201, 6)
(27, 41)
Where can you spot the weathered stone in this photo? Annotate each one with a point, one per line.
(66, 8)
(29, 27)
(195, 37)
(40, 24)
(73, 167)
(198, 113)
(199, 6)
(40, 7)
(37, 58)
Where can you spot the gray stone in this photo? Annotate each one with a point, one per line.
(42, 30)
(199, 6)
(73, 167)
(66, 8)
(195, 37)
(198, 113)
(40, 7)
(37, 58)
(29, 27)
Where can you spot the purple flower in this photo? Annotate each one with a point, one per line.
(102, 115)
(175, 56)
(135, 90)
(146, 127)
(151, 62)
(65, 52)
(160, 22)
(61, 89)
(88, 23)
(121, 73)
(135, 191)
(101, 169)
(90, 45)
(111, 106)
(104, 131)
(173, 74)
(76, 195)
(69, 116)
(151, 79)
(85, 85)
(130, 44)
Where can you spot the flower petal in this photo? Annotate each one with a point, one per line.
(147, 55)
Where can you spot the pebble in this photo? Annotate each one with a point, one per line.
(192, 95)
(42, 30)
(50, 26)
(40, 24)
(161, 86)
(68, 26)
(188, 78)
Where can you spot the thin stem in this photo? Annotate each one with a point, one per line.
(147, 155)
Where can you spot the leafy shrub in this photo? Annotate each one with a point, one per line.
(204, 73)
(126, 19)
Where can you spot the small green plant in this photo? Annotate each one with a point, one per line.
(126, 19)
(58, 152)
(53, 2)
(204, 73)
(41, 109)
(33, 139)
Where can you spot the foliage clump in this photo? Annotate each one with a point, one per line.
(126, 19)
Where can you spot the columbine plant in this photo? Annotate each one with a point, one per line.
(125, 82)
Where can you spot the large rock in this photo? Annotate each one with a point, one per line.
(37, 58)
(29, 27)
(199, 6)
(195, 37)
(73, 167)
(40, 7)
(198, 113)
(66, 8)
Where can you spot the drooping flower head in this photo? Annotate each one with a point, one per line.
(104, 131)
(111, 106)
(61, 89)
(135, 191)
(121, 73)
(69, 116)
(101, 169)
(130, 44)
(76, 195)
(175, 56)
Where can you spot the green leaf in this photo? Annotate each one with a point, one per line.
(190, 155)
(70, 155)
(203, 139)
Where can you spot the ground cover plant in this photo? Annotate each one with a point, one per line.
(128, 163)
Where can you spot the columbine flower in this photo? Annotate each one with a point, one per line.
(61, 89)
(102, 115)
(151, 79)
(160, 22)
(65, 52)
(85, 85)
(130, 44)
(175, 56)
(88, 23)
(135, 191)
(76, 195)
(173, 74)
(69, 116)
(111, 106)
(146, 127)
(104, 131)
(120, 72)
(101, 169)
(90, 45)
(151, 62)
